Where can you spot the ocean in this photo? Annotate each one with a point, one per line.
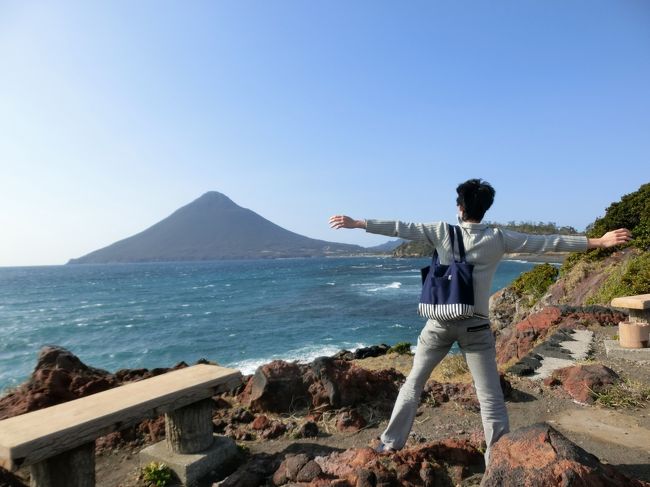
(237, 313)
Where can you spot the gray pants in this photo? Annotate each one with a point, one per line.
(477, 343)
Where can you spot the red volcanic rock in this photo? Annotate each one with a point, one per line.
(261, 422)
(274, 430)
(59, 376)
(538, 455)
(337, 383)
(463, 394)
(350, 420)
(326, 383)
(580, 380)
(518, 341)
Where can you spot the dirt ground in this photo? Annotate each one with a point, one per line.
(619, 437)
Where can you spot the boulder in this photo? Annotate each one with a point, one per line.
(337, 383)
(540, 456)
(350, 420)
(580, 380)
(326, 383)
(277, 387)
(308, 430)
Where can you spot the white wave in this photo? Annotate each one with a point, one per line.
(301, 355)
(185, 305)
(397, 325)
(392, 285)
(128, 326)
(82, 324)
(331, 283)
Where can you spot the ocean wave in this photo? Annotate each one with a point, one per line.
(392, 285)
(301, 355)
(397, 325)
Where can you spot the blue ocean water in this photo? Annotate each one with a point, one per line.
(237, 313)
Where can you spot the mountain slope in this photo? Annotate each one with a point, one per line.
(213, 227)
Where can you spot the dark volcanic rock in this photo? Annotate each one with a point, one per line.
(277, 387)
(309, 430)
(539, 456)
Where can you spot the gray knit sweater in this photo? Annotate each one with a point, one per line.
(484, 247)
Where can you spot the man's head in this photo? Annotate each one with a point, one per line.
(474, 198)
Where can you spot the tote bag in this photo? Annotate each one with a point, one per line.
(447, 290)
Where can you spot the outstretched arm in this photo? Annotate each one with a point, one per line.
(342, 221)
(610, 239)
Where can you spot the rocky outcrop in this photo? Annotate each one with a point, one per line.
(538, 455)
(60, 376)
(326, 383)
(446, 462)
(582, 381)
(361, 353)
(515, 342)
(463, 394)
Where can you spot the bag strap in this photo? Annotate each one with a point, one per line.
(454, 231)
(461, 246)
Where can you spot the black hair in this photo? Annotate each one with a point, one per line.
(475, 196)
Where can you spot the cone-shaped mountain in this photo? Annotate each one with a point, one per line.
(213, 227)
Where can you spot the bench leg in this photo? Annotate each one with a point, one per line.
(189, 429)
(74, 468)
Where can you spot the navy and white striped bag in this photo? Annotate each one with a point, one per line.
(447, 290)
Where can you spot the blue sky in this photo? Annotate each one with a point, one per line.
(114, 114)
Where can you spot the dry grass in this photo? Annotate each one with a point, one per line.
(626, 394)
(453, 368)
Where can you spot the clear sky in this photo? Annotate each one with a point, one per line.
(114, 114)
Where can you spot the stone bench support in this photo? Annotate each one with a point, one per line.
(635, 332)
(58, 442)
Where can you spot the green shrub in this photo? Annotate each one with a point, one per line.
(401, 348)
(632, 212)
(157, 474)
(534, 283)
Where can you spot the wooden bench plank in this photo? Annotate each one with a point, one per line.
(642, 301)
(34, 436)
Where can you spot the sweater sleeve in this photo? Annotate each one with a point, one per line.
(538, 244)
(432, 233)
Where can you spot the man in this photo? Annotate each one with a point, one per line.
(484, 247)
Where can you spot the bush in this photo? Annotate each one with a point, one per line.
(157, 474)
(401, 348)
(534, 283)
(632, 212)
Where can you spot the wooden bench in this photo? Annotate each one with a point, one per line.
(58, 442)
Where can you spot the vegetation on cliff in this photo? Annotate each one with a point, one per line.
(532, 285)
(631, 212)
(631, 275)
